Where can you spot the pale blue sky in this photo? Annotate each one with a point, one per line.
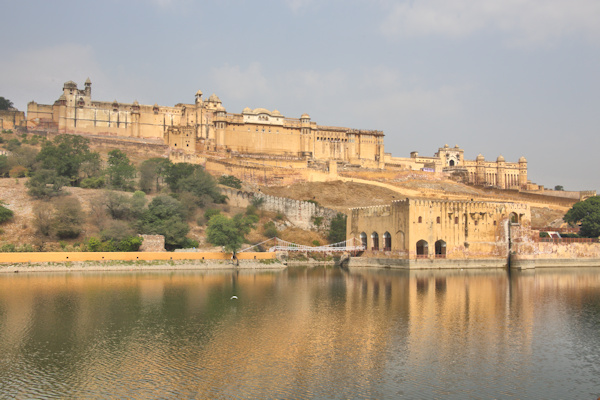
(510, 77)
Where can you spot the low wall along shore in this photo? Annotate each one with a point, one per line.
(122, 256)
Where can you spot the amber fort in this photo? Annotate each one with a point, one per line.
(264, 147)
(206, 127)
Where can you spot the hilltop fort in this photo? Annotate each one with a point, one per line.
(258, 137)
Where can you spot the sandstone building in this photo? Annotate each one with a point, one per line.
(205, 127)
(413, 228)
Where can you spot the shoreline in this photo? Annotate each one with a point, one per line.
(127, 266)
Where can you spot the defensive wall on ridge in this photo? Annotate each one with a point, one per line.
(300, 213)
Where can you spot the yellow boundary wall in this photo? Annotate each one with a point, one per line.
(122, 256)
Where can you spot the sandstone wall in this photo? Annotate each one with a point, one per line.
(300, 213)
(152, 243)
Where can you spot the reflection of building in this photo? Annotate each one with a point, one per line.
(437, 229)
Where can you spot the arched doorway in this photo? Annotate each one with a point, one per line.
(440, 249)
(451, 163)
(387, 241)
(363, 240)
(514, 218)
(375, 239)
(422, 249)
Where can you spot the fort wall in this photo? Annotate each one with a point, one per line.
(300, 213)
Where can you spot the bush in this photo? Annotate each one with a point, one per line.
(17, 172)
(270, 230)
(211, 212)
(45, 183)
(231, 181)
(5, 214)
(279, 216)
(93, 183)
(337, 229)
(316, 243)
(257, 201)
(317, 221)
(68, 218)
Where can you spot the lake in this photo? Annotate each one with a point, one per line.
(301, 333)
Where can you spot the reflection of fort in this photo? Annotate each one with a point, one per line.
(181, 333)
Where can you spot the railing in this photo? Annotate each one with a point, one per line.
(440, 256)
(422, 256)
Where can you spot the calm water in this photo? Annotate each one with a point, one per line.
(301, 333)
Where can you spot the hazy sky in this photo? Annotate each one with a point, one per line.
(510, 77)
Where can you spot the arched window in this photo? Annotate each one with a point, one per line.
(422, 249)
(514, 218)
(363, 240)
(387, 241)
(440, 249)
(420, 219)
(438, 220)
(451, 163)
(375, 239)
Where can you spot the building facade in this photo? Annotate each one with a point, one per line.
(206, 126)
(437, 229)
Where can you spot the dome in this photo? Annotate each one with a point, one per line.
(220, 108)
(70, 85)
(261, 111)
(500, 158)
(135, 103)
(456, 146)
(522, 160)
(276, 113)
(247, 110)
(214, 99)
(445, 146)
(305, 116)
(199, 93)
(88, 82)
(480, 157)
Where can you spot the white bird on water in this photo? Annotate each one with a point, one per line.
(233, 298)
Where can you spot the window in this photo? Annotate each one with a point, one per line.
(420, 219)
(438, 220)
(456, 220)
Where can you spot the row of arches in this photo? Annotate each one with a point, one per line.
(387, 241)
(423, 249)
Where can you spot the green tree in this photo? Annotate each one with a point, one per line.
(45, 183)
(337, 229)
(153, 173)
(587, 213)
(4, 168)
(223, 231)
(68, 219)
(5, 213)
(559, 188)
(66, 155)
(120, 170)
(231, 181)
(5, 104)
(166, 216)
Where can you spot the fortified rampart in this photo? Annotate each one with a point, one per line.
(300, 213)
(11, 119)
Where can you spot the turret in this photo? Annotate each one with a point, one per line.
(501, 163)
(88, 88)
(522, 172)
(480, 170)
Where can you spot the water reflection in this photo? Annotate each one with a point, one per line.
(301, 333)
